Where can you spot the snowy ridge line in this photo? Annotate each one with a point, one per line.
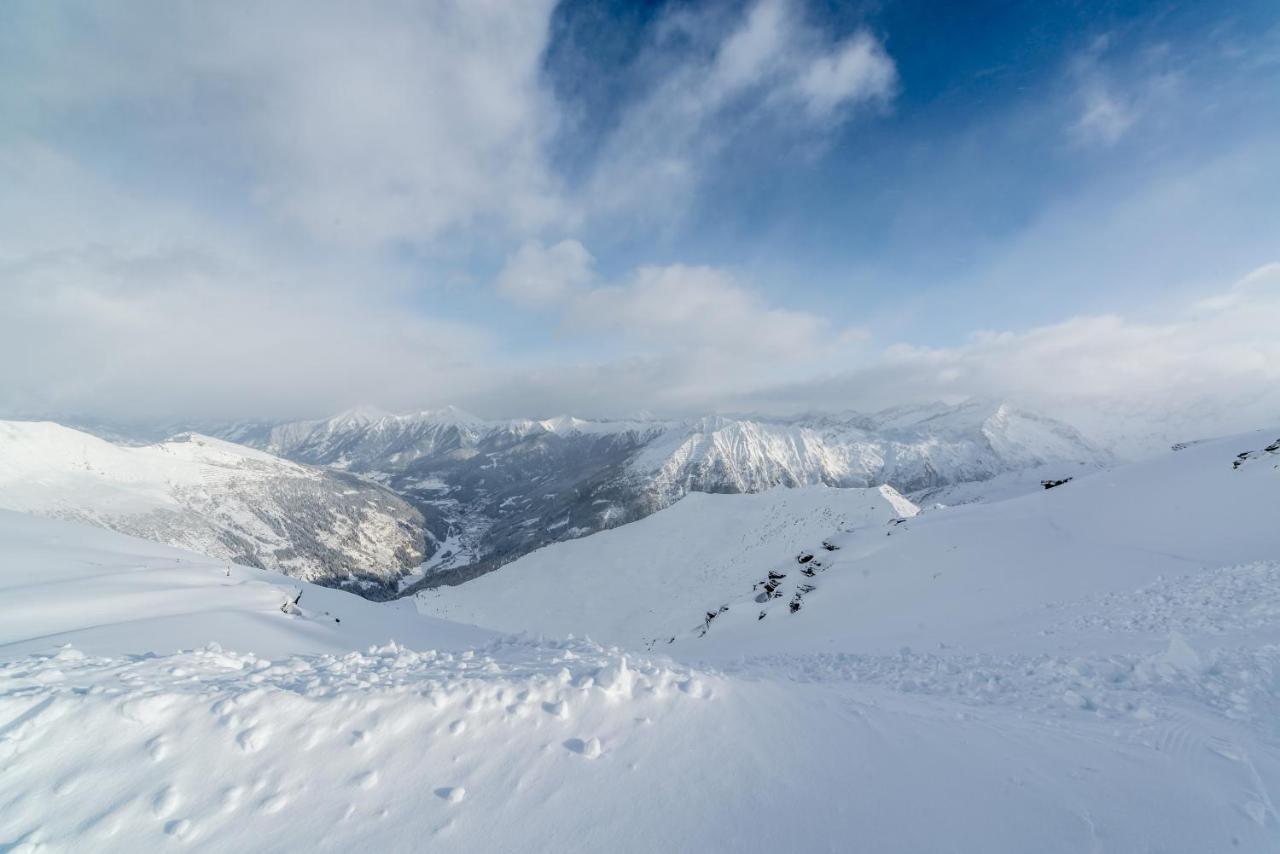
(211, 496)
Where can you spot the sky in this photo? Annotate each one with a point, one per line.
(282, 210)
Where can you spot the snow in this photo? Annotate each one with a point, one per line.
(112, 595)
(502, 475)
(1094, 667)
(673, 565)
(211, 496)
(911, 448)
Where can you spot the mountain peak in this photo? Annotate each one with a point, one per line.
(361, 414)
(448, 414)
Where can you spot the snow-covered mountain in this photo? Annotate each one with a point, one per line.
(671, 568)
(494, 490)
(895, 576)
(217, 498)
(1091, 667)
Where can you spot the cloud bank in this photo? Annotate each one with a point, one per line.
(245, 210)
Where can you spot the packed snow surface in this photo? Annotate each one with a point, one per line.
(1093, 667)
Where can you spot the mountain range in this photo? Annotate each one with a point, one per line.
(385, 504)
(491, 491)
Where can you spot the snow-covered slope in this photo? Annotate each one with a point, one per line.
(494, 490)
(941, 577)
(909, 448)
(1092, 668)
(112, 594)
(975, 574)
(670, 568)
(216, 498)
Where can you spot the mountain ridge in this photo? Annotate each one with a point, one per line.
(222, 499)
(491, 491)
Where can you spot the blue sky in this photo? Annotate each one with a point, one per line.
(225, 210)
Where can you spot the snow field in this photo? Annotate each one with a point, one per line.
(1090, 668)
(236, 752)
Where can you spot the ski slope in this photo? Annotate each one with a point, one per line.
(1095, 667)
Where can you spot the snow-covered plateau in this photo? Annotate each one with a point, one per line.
(1093, 666)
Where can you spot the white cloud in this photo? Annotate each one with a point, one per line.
(770, 70)
(399, 122)
(856, 70)
(1103, 118)
(675, 336)
(363, 123)
(676, 307)
(1114, 92)
(697, 307)
(538, 275)
(188, 266)
(185, 332)
(1208, 367)
(118, 303)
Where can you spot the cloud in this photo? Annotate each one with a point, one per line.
(363, 124)
(1113, 93)
(538, 275)
(857, 69)
(119, 303)
(199, 200)
(399, 122)
(223, 209)
(1103, 118)
(696, 307)
(675, 336)
(1209, 366)
(185, 332)
(677, 307)
(770, 71)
